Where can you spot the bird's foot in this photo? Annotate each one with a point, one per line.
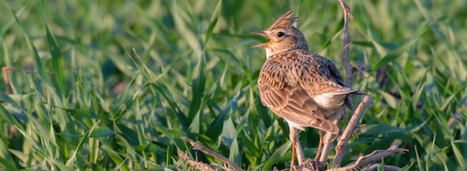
(310, 164)
(293, 168)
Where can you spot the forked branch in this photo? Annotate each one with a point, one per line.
(371, 158)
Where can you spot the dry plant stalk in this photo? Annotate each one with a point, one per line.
(328, 139)
(346, 43)
(211, 153)
(341, 147)
(194, 164)
(345, 137)
(371, 158)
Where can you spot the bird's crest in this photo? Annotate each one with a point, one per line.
(284, 22)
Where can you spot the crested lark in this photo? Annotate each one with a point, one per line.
(304, 88)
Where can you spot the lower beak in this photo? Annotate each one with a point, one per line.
(263, 45)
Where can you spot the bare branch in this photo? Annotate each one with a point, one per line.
(348, 72)
(346, 9)
(342, 144)
(328, 139)
(371, 158)
(346, 43)
(341, 147)
(211, 153)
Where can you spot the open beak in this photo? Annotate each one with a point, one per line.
(263, 45)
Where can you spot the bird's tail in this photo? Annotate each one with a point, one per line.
(348, 102)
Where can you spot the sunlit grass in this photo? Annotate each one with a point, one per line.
(131, 77)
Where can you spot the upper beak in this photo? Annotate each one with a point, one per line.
(262, 33)
(263, 45)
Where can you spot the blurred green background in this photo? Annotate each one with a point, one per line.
(129, 78)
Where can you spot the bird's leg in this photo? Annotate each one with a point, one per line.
(327, 147)
(298, 149)
(316, 161)
(321, 136)
(292, 137)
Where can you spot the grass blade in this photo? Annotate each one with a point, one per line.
(214, 18)
(276, 156)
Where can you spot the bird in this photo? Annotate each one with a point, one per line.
(300, 86)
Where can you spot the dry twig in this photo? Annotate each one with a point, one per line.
(211, 153)
(194, 164)
(345, 137)
(341, 147)
(328, 139)
(346, 43)
(348, 74)
(373, 157)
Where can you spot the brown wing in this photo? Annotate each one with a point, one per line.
(281, 92)
(321, 76)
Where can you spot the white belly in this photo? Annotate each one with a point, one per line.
(330, 100)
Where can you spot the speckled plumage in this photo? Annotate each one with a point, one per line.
(304, 88)
(292, 84)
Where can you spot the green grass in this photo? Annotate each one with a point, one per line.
(132, 77)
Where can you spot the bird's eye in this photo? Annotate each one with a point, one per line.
(280, 34)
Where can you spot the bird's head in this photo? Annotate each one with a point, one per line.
(283, 36)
